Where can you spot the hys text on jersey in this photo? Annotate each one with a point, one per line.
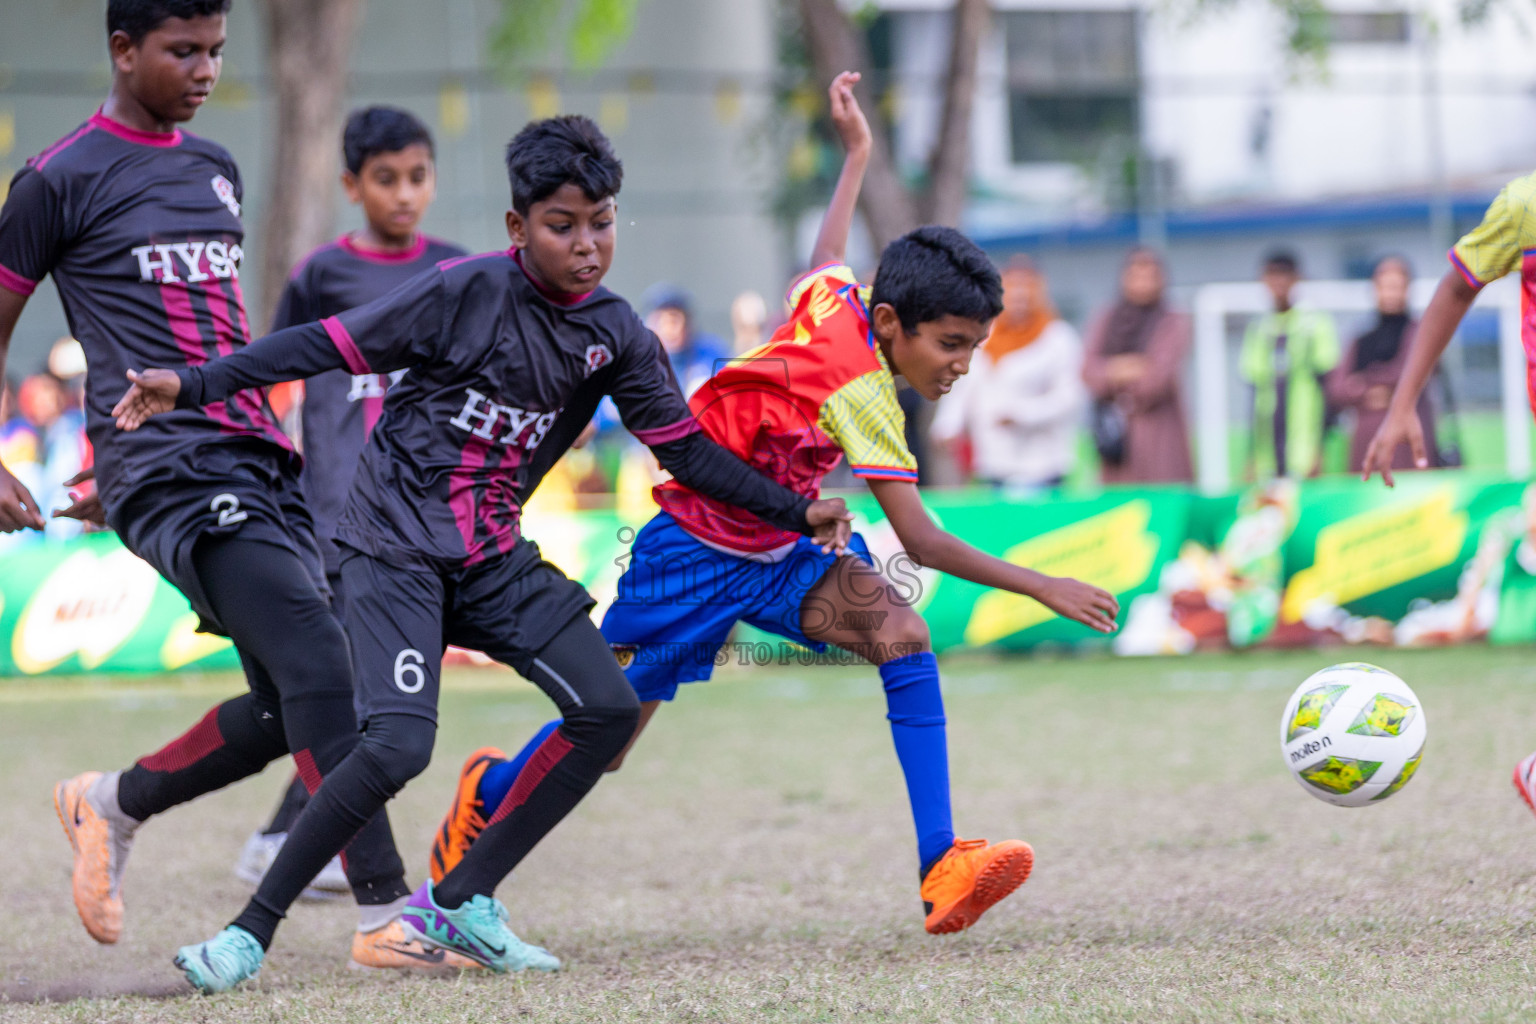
(189, 262)
(503, 424)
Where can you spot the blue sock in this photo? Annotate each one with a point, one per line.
(497, 781)
(915, 708)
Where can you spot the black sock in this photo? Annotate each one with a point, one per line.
(599, 711)
(235, 740)
(347, 814)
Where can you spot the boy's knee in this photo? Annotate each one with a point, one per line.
(605, 730)
(399, 750)
(906, 633)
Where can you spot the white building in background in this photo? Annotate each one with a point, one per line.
(1395, 147)
(1069, 87)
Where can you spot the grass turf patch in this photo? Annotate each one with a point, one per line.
(754, 859)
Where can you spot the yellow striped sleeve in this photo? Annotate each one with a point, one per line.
(867, 423)
(838, 274)
(1494, 247)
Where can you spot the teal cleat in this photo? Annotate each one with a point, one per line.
(478, 930)
(222, 962)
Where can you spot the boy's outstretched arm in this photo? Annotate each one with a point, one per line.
(934, 548)
(832, 240)
(704, 466)
(397, 330)
(1451, 301)
(287, 355)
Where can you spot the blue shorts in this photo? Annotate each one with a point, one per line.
(679, 598)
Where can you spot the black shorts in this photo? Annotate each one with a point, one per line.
(401, 619)
(226, 490)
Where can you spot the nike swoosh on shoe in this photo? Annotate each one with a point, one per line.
(433, 956)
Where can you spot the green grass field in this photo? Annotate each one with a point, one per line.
(753, 861)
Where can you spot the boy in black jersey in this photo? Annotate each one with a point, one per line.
(390, 174)
(139, 224)
(509, 355)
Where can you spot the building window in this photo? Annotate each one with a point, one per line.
(1368, 27)
(1072, 83)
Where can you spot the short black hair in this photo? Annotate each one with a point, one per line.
(374, 130)
(138, 18)
(566, 150)
(935, 272)
(1283, 260)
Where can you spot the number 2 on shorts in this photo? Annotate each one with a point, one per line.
(228, 508)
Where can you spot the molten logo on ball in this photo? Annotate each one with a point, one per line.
(1353, 734)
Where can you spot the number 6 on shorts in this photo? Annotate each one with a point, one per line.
(408, 674)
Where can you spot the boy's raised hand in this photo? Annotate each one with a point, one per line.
(153, 392)
(1080, 602)
(831, 523)
(847, 118)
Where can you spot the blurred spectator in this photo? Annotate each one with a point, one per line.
(20, 442)
(66, 360)
(749, 322)
(669, 312)
(1364, 378)
(1132, 363)
(1022, 402)
(53, 409)
(1286, 355)
(42, 400)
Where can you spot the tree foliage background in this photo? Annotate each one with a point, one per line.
(308, 51)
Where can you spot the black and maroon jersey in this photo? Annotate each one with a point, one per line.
(491, 363)
(341, 407)
(141, 232)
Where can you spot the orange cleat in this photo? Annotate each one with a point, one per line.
(968, 879)
(390, 948)
(101, 850)
(465, 820)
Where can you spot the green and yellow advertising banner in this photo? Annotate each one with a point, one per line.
(1444, 557)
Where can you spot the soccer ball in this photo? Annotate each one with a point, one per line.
(1353, 734)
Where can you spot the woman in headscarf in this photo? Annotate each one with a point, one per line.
(1022, 403)
(1134, 359)
(1364, 378)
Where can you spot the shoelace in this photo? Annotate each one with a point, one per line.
(231, 955)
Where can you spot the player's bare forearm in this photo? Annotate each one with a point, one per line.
(1452, 299)
(1401, 425)
(11, 305)
(832, 240)
(934, 548)
(18, 509)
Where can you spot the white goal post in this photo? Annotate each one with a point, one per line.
(1213, 303)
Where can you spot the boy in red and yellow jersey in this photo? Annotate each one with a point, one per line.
(1504, 242)
(823, 388)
